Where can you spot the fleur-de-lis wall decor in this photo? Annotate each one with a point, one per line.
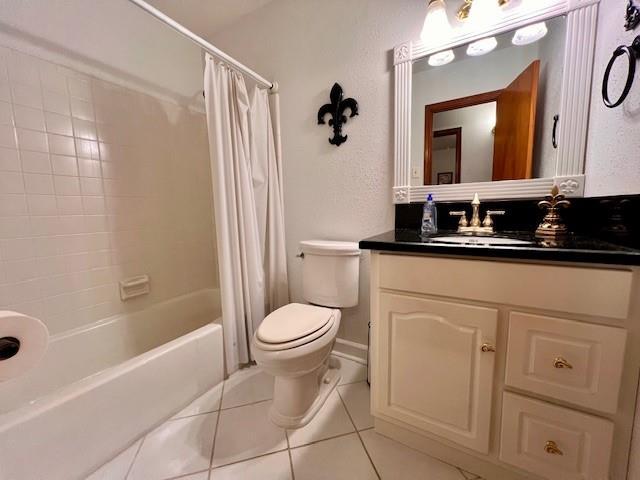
(337, 108)
(632, 16)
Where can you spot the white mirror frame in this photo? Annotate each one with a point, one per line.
(582, 16)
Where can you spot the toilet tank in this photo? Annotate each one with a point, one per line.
(330, 273)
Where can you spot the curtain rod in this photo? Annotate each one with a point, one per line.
(202, 43)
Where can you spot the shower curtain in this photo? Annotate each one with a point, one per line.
(247, 191)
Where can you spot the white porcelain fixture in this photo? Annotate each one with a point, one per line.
(294, 342)
(101, 387)
(530, 34)
(442, 58)
(482, 47)
(473, 240)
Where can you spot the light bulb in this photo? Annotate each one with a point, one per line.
(484, 13)
(529, 34)
(482, 47)
(436, 28)
(441, 58)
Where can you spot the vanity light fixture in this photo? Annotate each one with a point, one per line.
(484, 13)
(441, 58)
(529, 34)
(482, 47)
(436, 28)
(463, 11)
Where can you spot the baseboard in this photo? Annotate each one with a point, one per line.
(350, 350)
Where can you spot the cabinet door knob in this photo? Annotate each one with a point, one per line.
(560, 362)
(551, 448)
(487, 347)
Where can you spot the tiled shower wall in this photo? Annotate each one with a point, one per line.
(97, 183)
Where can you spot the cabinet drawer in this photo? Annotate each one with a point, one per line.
(576, 362)
(600, 292)
(554, 442)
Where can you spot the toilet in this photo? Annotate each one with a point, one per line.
(294, 343)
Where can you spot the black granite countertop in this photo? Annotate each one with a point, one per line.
(579, 249)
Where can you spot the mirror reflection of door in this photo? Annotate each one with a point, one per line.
(446, 156)
(496, 134)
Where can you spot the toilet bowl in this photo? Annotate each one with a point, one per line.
(294, 342)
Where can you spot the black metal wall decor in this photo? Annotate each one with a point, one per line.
(337, 109)
(632, 17)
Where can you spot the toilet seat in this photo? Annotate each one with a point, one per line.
(293, 325)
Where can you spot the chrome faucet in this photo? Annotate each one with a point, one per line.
(486, 226)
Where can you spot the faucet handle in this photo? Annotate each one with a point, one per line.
(463, 217)
(488, 221)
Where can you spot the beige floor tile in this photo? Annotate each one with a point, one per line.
(246, 432)
(395, 461)
(247, 386)
(117, 468)
(270, 467)
(350, 371)
(206, 403)
(341, 458)
(356, 397)
(330, 421)
(177, 447)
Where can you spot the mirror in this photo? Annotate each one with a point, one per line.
(491, 117)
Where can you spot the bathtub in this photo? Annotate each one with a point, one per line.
(102, 386)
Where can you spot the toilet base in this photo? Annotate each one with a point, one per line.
(327, 383)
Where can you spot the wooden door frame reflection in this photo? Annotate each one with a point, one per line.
(433, 108)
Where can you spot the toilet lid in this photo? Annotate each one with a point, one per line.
(293, 321)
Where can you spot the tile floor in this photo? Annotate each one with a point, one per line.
(225, 434)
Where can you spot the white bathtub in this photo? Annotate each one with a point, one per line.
(101, 387)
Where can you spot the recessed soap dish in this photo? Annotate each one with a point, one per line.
(134, 287)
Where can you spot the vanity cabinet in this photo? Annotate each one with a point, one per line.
(510, 369)
(442, 347)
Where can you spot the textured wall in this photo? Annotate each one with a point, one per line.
(613, 161)
(97, 183)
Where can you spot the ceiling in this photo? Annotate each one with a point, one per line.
(205, 17)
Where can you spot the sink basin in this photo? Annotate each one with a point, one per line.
(475, 240)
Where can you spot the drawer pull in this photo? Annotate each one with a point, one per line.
(560, 362)
(551, 447)
(487, 347)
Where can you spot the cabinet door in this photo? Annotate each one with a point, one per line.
(432, 370)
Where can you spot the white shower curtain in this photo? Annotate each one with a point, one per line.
(248, 204)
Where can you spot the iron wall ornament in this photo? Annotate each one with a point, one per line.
(632, 17)
(337, 109)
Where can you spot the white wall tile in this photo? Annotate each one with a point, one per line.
(6, 115)
(89, 168)
(61, 145)
(66, 185)
(56, 102)
(9, 160)
(42, 204)
(38, 183)
(27, 117)
(76, 216)
(7, 136)
(59, 124)
(35, 162)
(64, 165)
(26, 95)
(11, 182)
(32, 140)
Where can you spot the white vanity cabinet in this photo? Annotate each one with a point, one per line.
(441, 347)
(510, 369)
